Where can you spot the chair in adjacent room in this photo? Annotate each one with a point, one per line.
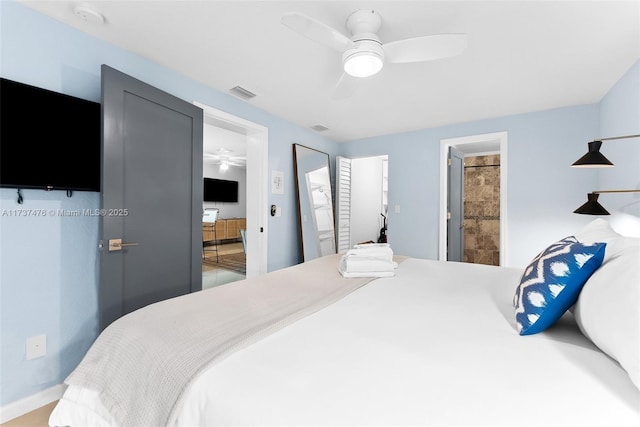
(209, 218)
(243, 235)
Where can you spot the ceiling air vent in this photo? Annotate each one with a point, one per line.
(242, 92)
(319, 128)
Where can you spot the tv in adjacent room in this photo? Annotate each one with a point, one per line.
(48, 140)
(220, 190)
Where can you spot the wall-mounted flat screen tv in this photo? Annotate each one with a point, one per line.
(48, 140)
(220, 190)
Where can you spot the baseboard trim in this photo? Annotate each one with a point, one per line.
(30, 403)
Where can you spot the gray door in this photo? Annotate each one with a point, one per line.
(151, 196)
(455, 206)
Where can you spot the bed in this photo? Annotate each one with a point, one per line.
(436, 344)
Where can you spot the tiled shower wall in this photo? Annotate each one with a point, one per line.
(482, 209)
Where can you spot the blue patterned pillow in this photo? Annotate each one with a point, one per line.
(552, 282)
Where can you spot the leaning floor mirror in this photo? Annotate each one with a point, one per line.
(315, 203)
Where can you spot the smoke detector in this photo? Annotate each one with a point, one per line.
(89, 15)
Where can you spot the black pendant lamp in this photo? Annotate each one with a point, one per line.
(594, 158)
(592, 207)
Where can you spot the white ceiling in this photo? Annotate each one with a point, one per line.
(522, 56)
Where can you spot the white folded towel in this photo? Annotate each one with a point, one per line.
(368, 260)
(348, 275)
(367, 264)
(381, 250)
(372, 245)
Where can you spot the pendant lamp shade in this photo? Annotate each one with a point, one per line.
(593, 158)
(592, 207)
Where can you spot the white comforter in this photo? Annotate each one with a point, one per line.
(434, 345)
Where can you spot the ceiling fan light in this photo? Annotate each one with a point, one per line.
(363, 64)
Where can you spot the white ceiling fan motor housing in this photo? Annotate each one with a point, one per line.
(367, 58)
(364, 21)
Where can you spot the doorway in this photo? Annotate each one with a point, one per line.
(362, 200)
(224, 202)
(493, 144)
(255, 241)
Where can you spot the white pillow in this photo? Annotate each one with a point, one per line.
(608, 308)
(599, 230)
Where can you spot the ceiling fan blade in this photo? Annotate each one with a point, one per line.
(346, 87)
(317, 31)
(425, 48)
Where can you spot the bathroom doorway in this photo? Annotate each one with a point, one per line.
(483, 210)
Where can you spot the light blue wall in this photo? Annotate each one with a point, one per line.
(542, 189)
(48, 276)
(48, 266)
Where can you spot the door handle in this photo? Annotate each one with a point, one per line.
(117, 245)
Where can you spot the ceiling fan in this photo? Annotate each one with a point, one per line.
(225, 161)
(363, 54)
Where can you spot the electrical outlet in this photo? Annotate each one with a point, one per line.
(36, 346)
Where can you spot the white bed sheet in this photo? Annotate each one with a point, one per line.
(434, 345)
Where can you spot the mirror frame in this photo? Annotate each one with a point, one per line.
(302, 186)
